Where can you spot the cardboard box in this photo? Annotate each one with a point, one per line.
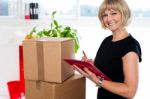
(72, 88)
(43, 59)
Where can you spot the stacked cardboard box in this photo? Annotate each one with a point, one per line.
(72, 88)
(47, 75)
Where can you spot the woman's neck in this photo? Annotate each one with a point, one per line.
(120, 34)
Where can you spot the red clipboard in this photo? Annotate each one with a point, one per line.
(91, 67)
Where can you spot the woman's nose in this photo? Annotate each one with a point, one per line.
(109, 18)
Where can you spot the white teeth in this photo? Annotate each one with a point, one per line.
(110, 24)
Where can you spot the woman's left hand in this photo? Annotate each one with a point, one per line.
(82, 72)
(92, 76)
(87, 73)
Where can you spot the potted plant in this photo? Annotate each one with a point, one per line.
(55, 30)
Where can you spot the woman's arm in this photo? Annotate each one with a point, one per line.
(130, 69)
(129, 87)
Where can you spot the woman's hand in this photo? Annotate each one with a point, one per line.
(87, 73)
(85, 58)
(92, 76)
(82, 72)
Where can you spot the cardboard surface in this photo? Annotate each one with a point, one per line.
(72, 88)
(43, 59)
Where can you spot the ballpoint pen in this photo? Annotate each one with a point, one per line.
(84, 54)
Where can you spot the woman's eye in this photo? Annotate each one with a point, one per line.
(105, 15)
(114, 13)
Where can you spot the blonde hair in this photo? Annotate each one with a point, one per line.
(118, 5)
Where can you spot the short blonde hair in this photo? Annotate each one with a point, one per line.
(118, 5)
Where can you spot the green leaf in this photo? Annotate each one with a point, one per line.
(57, 30)
(32, 31)
(55, 23)
(53, 13)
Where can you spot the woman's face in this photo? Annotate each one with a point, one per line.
(112, 20)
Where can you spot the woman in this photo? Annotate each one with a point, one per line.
(118, 56)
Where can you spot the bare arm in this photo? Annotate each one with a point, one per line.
(130, 69)
(129, 86)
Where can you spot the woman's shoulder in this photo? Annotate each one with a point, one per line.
(132, 41)
(108, 38)
(132, 44)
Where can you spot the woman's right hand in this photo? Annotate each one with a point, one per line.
(87, 60)
(84, 58)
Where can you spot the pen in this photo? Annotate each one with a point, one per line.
(84, 54)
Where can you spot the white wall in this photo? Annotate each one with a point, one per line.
(12, 32)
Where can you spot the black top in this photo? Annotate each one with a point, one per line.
(109, 61)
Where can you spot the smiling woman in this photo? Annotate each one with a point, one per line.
(91, 28)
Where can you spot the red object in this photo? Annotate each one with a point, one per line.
(27, 17)
(14, 89)
(91, 67)
(22, 81)
(17, 88)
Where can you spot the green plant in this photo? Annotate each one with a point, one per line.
(55, 30)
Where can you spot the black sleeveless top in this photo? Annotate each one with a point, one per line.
(109, 61)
